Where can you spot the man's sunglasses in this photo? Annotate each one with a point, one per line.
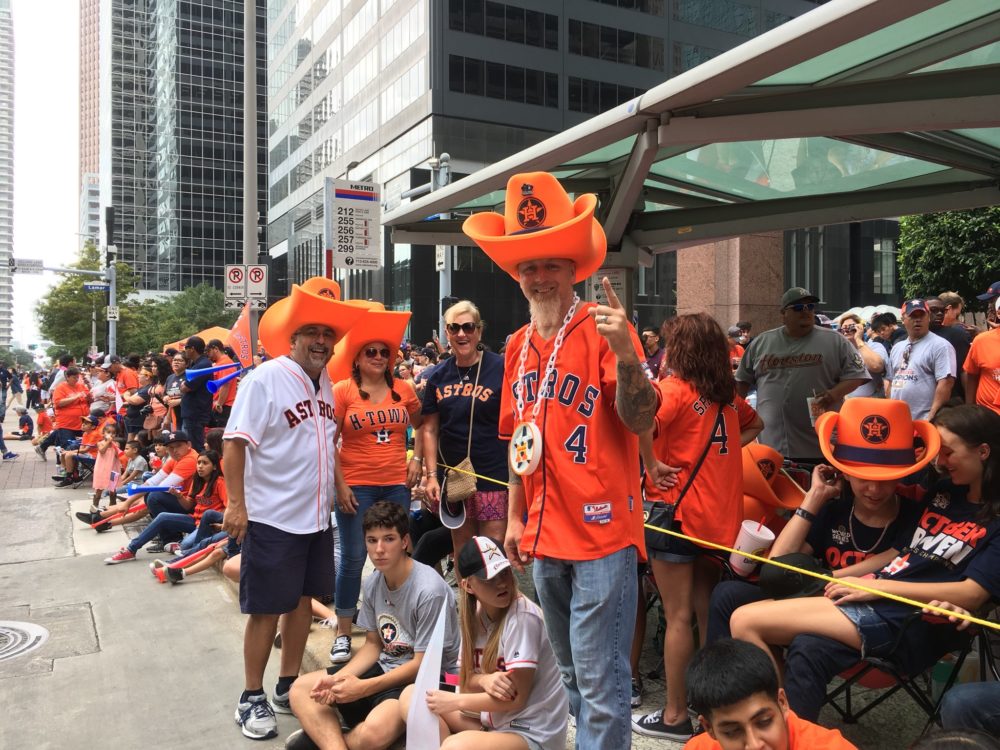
(467, 328)
(371, 352)
(810, 306)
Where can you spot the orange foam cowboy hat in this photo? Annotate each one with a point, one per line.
(763, 481)
(875, 439)
(314, 302)
(540, 221)
(376, 324)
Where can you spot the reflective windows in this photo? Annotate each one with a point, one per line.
(615, 45)
(510, 83)
(510, 23)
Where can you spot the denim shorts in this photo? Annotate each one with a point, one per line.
(876, 634)
(678, 550)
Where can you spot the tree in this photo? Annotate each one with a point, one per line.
(64, 314)
(953, 251)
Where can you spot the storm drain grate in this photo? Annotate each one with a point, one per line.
(17, 638)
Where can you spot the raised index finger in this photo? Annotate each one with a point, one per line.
(613, 301)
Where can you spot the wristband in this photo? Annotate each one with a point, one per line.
(805, 514)
(417, 458)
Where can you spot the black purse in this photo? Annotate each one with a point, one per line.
(662, 514)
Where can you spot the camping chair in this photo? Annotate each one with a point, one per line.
(888, 675)
(84, 469)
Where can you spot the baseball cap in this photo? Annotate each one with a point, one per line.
(734, 332)
(482, 557)
(992, 292)
(780, 583)
(176, 436)
(915, 305)
(428, 352)
(111, 359)
(91, 418)
(797, 294)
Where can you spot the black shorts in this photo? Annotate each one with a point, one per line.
(277, 568)
(678, 550)
(357, 711)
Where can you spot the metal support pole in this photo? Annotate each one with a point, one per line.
(440, 177)
(250, 217)
(93, 326)
(112, 275)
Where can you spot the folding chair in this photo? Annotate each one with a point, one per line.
(888, 675)
(84, 469)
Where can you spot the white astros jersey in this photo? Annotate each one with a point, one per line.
(290, 433)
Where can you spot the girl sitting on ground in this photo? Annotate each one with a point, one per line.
(509, 681)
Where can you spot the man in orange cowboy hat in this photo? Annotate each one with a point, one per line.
(584, 511)
(279, 457)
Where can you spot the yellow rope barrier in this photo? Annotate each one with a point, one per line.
(767, 561)
(829, 579)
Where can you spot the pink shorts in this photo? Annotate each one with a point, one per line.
(485, 506)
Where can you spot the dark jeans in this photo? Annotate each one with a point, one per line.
(195, 426)
(61, 437)
(163, 502)
(727, 597)
(165, 525)
(975, 705)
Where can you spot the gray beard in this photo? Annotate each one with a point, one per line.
(547, 313)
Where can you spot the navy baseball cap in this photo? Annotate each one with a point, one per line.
(992, 293)
(177, 436)
(915, 305)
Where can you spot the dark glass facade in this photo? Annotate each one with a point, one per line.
(174, 162)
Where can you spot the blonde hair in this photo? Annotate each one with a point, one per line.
(952, 299)
(463, 307)
(470, 623)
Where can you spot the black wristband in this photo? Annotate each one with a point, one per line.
(805, 514)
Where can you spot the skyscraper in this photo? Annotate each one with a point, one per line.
(6, 172)
(87, 178)
(385, 85)
(171, 135)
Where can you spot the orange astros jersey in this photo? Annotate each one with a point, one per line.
(712, 509)
(583, 499)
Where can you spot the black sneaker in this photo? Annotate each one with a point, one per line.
(67, 482)
(652, 725)
(88, 518)
(175, 575)
(106, 526)
(299, 740)
(155, 547)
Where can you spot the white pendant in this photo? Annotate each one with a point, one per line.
(525, 448)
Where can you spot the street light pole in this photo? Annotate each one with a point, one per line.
(250, 217)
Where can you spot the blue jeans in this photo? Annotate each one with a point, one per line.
(727, 597)
(204, 531)
(974, 705)
(164, 523)
(589, 608)
(164, 502)
(352, 542)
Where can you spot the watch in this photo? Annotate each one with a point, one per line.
(805, 514)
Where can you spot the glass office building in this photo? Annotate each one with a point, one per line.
(373, 89)
(171, 142)
(6, 172)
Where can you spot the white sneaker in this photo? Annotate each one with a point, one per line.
(341, 650)
(255, 718)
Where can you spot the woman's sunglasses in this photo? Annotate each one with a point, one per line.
(468, 328)
(371, 352)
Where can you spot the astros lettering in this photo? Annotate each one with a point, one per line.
(303, 410)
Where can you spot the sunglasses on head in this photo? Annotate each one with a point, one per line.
(464, 327)
(800, 306)
(371, 352)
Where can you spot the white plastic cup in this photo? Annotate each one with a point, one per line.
(754, 538)
(814, 409)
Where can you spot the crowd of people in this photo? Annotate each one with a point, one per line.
(554, 453)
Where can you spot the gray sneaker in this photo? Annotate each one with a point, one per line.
(299, 740)
(255, 718)
(281, 702)
(341, 651)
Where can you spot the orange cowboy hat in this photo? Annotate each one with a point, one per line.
(315, 301)
(377, 324)
(540, 221)
(763, 481)
(875, 439)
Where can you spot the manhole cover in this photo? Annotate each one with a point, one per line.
(18, 638)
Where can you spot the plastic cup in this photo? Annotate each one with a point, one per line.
(754, 538)
(814, 409)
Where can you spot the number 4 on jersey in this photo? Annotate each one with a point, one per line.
(576, 444)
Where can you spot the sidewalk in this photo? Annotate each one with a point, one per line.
(27, 470)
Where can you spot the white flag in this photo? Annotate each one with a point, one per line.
(423, 732)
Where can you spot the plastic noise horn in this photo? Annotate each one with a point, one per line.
(214, 385)
(137, 508)
(192, 374)
(135, 489)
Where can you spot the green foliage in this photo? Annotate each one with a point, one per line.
(64, 315)
(953, 251)
(23, 357)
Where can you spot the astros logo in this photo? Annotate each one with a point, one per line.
(327, 292)
(531, 213)
(875, 429)
(766, 467)
(389, 630)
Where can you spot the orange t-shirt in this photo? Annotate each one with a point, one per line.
(68, 417)
(984, 360)
(373, 452)
(44, 423)
(185, 468)
(89, 441)
(583, 500)
(231, 396)
(712, 509)
(802, 735)
(735, 353)
(218, 499)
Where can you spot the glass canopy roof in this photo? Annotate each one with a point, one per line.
(858, 109)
